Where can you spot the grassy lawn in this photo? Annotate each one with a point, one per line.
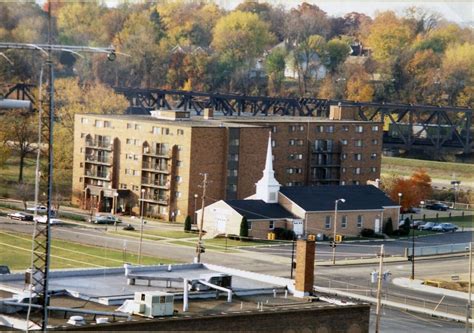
(16, 253)
(133, 233)
(439, 170)
(238, 243)
(172, 234)
(461, 221)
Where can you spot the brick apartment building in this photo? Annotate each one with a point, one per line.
(119, 159)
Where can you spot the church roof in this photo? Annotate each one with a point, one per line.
(323, 197)
(259, 209)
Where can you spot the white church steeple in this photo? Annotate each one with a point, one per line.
(268, 186)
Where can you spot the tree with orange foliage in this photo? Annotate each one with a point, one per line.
(413, 189)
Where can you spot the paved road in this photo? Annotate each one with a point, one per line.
(370, 249)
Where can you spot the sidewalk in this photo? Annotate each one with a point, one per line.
(419, 286)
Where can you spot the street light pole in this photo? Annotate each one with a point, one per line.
(195, 206)
(141, 228)
(334, 230)
(379, 291)
(400, 204)
(469, 293)
(199, 245)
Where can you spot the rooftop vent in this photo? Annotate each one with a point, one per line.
(76, 321)
(170, 114)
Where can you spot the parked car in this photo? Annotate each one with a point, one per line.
(20, 216)
(427, 226)
(438, 206)
(105, 219)
(417, 224)
(44, 218)
(445, 227)
(128, 227)
(39, 209)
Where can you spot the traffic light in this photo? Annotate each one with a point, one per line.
(332, 244)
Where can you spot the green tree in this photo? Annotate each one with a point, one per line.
(275, 67)
(336, 52)
(388, 228)
(244, 227)
(307, 60)
(187, 223)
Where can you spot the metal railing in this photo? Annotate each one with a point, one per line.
(438, 249)
(155, 166)
(150, 181)
(99, 143)
(99, 159)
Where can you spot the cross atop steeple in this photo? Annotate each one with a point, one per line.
(268, 186)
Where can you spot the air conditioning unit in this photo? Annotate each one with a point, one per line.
(153, 304)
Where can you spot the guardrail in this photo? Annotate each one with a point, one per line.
(438, 249)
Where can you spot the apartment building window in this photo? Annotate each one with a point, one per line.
(274, 129)
(123, 186)
(179, 163)
(180, 132)
(290, 171)
(234, 142)
(99, 123)
(234, 157)
(375, 141)
(177, 194)
(330, 129)
(81, 165)
(250, 225)
(137, 142)
(136, 172)
(291, 142)
(343, 156)
(107, 124)
(357, 171)
(273, 143)
(271, 225)
(165, 131)
(128, 171)
(327, 222)
(301, 128)
(344, 221)
(178, 179)
(358, 143)
(289, 184)
(156, 130)
(232, 188)
(83, 135)
(359, 129)
(292, 128)
(359, 221)
(128, 141)
(357, 157)
(373, 169)
(135, 187)
(320, 129)
(344, 142)
(138, 127)
(345, 128)
(84, 120)
(356, 182)
(232, 173)
(375, 128)
(373, 156)
(343, 182)
(343, 170)
(179, 147)
(80, 179)
(129, 125)
(299, 156)
(300, 142)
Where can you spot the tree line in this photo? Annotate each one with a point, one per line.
(256, 48)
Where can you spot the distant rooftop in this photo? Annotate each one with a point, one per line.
(259, 209)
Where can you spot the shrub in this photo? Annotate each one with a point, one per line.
(388, 227)
(366, 232)
(244, 227)
(284, 234)
(187, 223)
(404, 229)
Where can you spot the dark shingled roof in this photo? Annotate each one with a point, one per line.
(323, 197)
(259, 209)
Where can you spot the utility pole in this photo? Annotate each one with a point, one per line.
(413, 253)
(379, 292)
(469, 293)
(203, 202)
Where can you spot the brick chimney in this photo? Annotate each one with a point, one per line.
(304, 278)
(342, 112)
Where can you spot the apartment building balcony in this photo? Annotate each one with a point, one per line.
(161, 152)
(103, 160)
(155, 167)
(99, 144)
(106, 176)
(153, 198)
(165, 185)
